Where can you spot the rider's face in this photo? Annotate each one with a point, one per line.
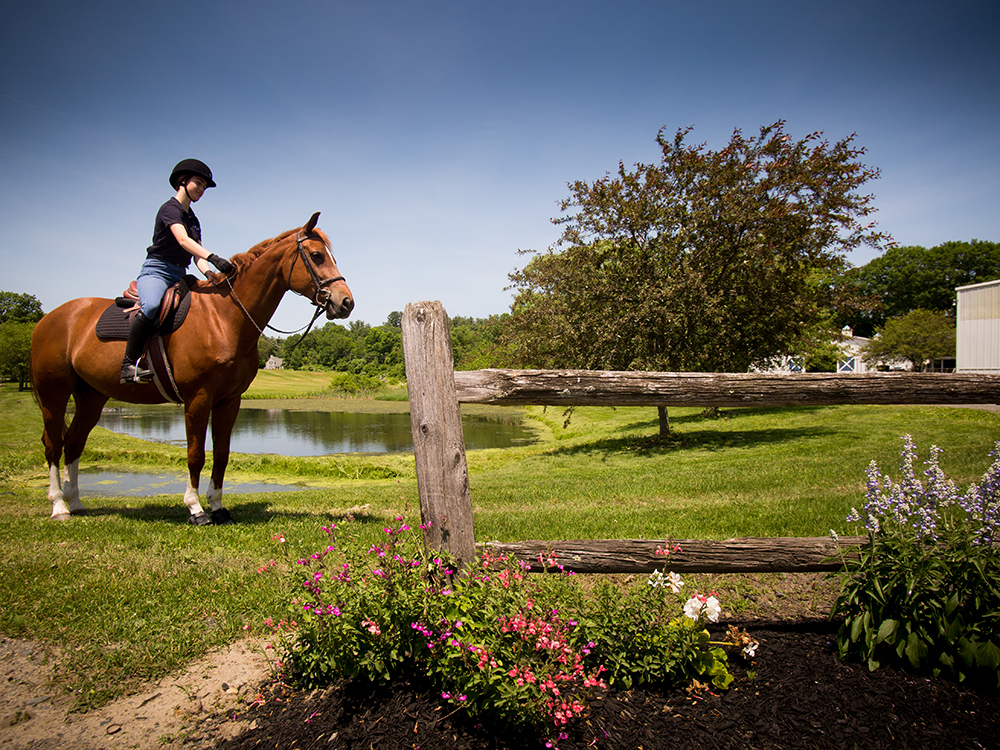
(196, 187)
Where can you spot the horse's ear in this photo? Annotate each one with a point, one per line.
(311, 224)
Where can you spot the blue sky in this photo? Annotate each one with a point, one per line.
(436, 138)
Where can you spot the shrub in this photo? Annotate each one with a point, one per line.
(507, 648)
(924, 591)
(353, 384)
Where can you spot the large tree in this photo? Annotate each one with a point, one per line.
(18, 315)
(19, 308)
(15, 352)
(705, 261)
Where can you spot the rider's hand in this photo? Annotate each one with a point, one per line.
(222, 264)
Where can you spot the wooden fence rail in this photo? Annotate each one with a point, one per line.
(601, 388)
(435, 391)
(752, 554)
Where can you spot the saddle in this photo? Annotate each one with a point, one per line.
(116, 320)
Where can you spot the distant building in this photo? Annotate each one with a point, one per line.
(851, 358)
(274, 363)
(851, 348)
(978, 328)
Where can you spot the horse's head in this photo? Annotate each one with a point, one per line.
(316, 277)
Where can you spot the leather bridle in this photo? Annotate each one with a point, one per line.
(322, 296)
(319, 300)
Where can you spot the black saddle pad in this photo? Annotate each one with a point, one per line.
(115, 321)
(113, 324)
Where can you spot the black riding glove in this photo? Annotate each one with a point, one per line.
(222, 264)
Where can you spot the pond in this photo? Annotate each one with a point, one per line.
(315, 433)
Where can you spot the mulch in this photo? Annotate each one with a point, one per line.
(796, 693)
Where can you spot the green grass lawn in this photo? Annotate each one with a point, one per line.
(132, 591)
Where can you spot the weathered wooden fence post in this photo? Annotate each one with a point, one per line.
(438, 441)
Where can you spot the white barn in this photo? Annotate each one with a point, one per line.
(851, 350)
(978, 328)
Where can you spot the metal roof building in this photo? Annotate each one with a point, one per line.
(978, 332)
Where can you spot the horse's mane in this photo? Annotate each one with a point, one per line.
(244, 260)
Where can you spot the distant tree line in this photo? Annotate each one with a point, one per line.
(366, 357)
(704, 260)
(903, 299)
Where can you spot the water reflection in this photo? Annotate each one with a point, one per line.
(146, 485)
(312, 433)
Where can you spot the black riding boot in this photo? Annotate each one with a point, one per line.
(138, 335)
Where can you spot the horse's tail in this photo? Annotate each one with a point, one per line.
(34, 383)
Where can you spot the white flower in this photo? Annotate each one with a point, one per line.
(750, 649)
(693, 607)
(675, 582)
(656, 579)
(712, 609)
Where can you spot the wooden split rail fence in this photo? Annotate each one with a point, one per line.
(436, 390)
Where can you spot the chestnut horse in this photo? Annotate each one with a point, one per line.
(213, 356)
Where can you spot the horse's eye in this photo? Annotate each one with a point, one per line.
(317, 258)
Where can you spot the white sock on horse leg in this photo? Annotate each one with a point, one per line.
(71, 488)
(191, 499)
(214, 496)
(60, 511)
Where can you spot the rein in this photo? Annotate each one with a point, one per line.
(319, 300)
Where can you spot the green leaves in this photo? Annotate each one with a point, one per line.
(931, 607)
(886, 630)
(918, 336)
(704, 261)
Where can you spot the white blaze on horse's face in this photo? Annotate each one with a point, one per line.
(331, 292)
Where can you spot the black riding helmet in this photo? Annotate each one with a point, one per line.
(190, 167)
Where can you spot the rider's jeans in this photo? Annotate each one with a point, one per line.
(155, 278)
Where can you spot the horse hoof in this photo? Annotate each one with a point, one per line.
(200, 519)
(221, 517)
(59, 517)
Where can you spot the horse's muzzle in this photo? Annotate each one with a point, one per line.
(339, 308)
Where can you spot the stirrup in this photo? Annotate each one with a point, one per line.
(132, 373)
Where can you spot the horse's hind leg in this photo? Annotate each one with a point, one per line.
(52, 402)
(89, 404)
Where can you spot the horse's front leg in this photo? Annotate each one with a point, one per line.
(224, 416)
(196, 424)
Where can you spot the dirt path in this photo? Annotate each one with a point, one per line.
(191, 709)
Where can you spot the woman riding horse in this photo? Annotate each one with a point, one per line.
(213, 358)
(176, 239)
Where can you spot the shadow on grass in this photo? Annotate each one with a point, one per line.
(253, 512)
(708, 438)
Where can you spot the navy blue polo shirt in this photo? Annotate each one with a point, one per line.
(165, 245)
